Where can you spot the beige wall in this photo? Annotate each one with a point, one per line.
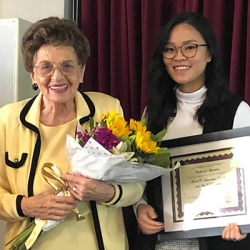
(30, 10)
(2, 231)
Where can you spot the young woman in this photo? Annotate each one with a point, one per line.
(190, 96)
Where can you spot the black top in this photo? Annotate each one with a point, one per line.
(220, 118)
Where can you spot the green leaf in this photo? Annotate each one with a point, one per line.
(161, 160)
(91, 123)
(140, 159)
(132, 138)
(162, 150)
(143, 121)
(158, 137)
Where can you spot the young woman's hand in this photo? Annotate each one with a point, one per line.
(146, 216)
(232, 232)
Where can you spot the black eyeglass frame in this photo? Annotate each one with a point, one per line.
(181, 47)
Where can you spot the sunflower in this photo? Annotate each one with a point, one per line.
(143, 141)
(116, 124)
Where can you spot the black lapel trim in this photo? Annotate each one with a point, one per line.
(98, 231)
(91, 109)
(37, 147)
(93, 206)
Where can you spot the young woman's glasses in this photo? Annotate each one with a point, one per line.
(188, 50)
(67, 68)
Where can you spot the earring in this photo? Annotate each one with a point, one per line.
(35, 86)
(80, 87)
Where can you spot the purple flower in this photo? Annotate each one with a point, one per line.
(102, 135)
(78, 134)
(82, 137)
(105, 137)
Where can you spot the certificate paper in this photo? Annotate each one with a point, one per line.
(201, 175)
(210, 189)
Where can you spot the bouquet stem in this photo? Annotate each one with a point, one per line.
(20, 240)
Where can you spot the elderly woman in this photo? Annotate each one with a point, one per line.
(33, 132)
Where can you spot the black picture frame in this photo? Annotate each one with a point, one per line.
(157, 198)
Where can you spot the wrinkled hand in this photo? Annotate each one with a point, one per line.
(232, 232)
(86, 189)
(145, 217)
(47, 206)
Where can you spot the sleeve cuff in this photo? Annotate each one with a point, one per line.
(117, 196)
(18, 206)
(143, 200)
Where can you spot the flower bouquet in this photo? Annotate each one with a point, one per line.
(113, 151)
(118, 152)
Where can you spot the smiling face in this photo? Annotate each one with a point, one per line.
(57, 88)
(189, 73)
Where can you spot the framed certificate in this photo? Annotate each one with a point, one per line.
(209, 189)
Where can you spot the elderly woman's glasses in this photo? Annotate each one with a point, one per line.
(67, 68)
(188, 50)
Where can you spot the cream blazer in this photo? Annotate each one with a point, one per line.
(20, 143)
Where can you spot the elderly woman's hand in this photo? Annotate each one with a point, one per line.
(232, 232)
(47, 206)
(86, 189)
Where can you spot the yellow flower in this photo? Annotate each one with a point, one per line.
(132, 124)
(144, 143)
(142, 139)
(116, 124)
(136, 126)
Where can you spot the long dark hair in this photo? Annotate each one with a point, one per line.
(162, 104)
